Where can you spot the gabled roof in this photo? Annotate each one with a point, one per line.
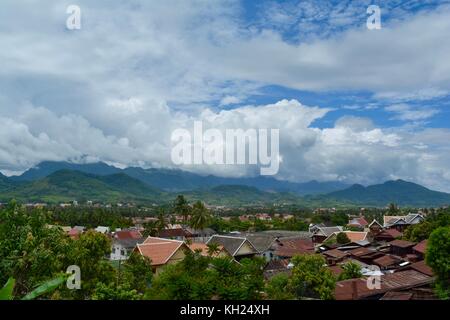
(159, 250)
(375, 222)
(361, 252)
(354, 236)
(261, 242)
(387, 261)
(335, 253)
(171, 233)
(421, 247)
(292, 247)
(127, 234)
(327, 231)
(395, 220)
(360, 221)
(203, 248)
(231, 244)
(401, 243)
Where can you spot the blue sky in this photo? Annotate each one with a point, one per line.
(352, 104)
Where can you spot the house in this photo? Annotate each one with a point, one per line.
(403, 281)
(203, 249)
(173, 233)
(388, 235)
(375, 227)
(75, 232)
(162, 252)
(402, 222)
(401, 247)
(319, 234)
(334, 256)
(419, 249)
(353, 236)
(275, 267)
(199, 235)
(289, 247)
(365, 255)
(358, 223)
(237, 247)
(123, 243)
(388, 262)
(101, 229)
(263, 243)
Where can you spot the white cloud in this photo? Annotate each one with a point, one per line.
(406, 112)
(108, 91)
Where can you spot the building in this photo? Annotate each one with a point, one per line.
(403, 281)
(289, 247)
(203, 249)
(237, 247)
(402, 222)
(162, 252)
(401, 247)
(319, 233)
(123, 243)
(358, 223)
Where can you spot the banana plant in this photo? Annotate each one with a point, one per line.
(6, 293)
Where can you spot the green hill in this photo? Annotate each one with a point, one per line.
(400, 192)
(66, 185)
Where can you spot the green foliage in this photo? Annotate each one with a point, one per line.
(351, 271)
(201, 278)
(311, 278)
(181, 207)
(6, 293)
(137, 272)
(200, 216)
(46, 287)
(342, 238)
(30, 252)
(278, 288)
(438, 258)
(113, 292)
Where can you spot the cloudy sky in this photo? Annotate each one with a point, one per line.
(352, 104)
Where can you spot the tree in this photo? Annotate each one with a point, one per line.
(393, 209)
(30, 251)
(278, 288)
(351, 271)
(342, 238)
(213, 249)
(138, 272)
(438, 258)
(89, 253)
(311, 278)
(200, 217)
(161, 223)
(181, 207)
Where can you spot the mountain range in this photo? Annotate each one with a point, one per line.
(55, 182)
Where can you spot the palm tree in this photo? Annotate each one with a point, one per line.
(213, 249)
(200, 216)
(181, 207)
(161, 222)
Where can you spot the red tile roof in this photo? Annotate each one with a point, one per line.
(127, 234)
(204, 248)
(159, 250)
(421, 247)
